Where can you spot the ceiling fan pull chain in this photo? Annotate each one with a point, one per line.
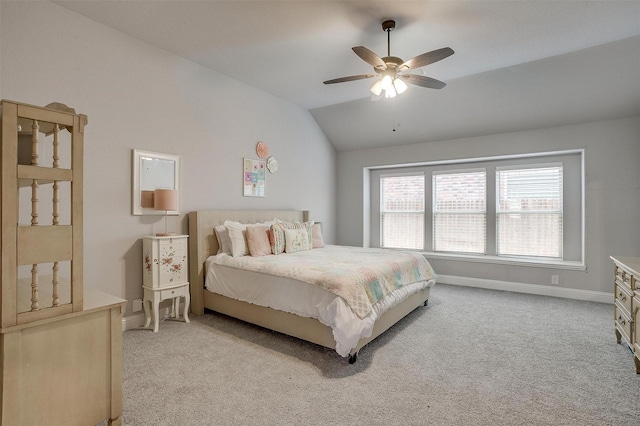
(393, 103)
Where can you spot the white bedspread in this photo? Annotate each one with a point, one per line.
(304, 299)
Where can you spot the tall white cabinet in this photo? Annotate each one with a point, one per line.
(165, 275)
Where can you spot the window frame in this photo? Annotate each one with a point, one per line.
(574, 197)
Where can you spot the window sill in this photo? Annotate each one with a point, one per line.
(573, 265)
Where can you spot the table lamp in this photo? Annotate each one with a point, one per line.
(165, 199)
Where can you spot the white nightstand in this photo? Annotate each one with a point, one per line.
(164, 262)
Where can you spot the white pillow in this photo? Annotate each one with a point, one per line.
(224, 242)
(296, 240)
(238, 237)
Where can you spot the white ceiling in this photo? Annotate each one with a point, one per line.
(518, 64)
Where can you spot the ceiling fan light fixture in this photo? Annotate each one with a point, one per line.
(399, 85)
(376, 89)
(390, 93)
(386, 82)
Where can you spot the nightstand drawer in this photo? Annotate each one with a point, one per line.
(173, 292)
(173, 246)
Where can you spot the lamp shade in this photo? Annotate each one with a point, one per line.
(146, 199)
(165, 199)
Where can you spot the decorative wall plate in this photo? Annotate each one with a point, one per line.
(272, 164)
(262, 149)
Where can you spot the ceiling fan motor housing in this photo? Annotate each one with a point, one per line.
(389, 25)
(393, 62)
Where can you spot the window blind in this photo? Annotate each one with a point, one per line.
(529, 211)
(459, 211)
(402, 211)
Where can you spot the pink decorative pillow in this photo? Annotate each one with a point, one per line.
(316, 236)
(258, 240)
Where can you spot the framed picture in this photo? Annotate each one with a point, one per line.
(253, 178)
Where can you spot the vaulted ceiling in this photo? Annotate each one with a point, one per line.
(517, 64)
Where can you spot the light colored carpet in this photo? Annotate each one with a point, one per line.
(472, 357)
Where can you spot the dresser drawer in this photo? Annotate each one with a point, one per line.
(624, 297)
(625, 277)
(173, 292)
(623, 324)
(635, 316)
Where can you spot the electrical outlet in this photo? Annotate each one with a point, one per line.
(137, 305)
(555, 279)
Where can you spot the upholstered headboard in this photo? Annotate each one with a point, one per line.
(203, 242)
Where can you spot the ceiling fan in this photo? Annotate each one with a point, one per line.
(394, 72)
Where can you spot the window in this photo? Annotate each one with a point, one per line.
(525, 208)
(402, 211)
(459, 211)
(529, 211)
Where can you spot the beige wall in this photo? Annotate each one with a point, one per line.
(138, 96)
(612, 152)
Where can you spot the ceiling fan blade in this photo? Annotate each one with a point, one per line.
(369, 57)
(349, 78)
(427, 58)
(420, 80)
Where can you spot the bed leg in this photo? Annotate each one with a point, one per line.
(426, 302)
(353, 358)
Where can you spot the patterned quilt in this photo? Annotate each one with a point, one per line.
(360, 276)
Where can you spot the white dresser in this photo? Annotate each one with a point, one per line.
(627, 303)
(164, 262)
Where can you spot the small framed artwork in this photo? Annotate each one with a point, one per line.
(253, 178)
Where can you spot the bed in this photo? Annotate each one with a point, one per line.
(271, 314)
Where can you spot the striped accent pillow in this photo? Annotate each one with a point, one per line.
(277, 237)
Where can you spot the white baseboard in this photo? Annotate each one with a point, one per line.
(543, 290)
(133, 321)
(137, 320)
